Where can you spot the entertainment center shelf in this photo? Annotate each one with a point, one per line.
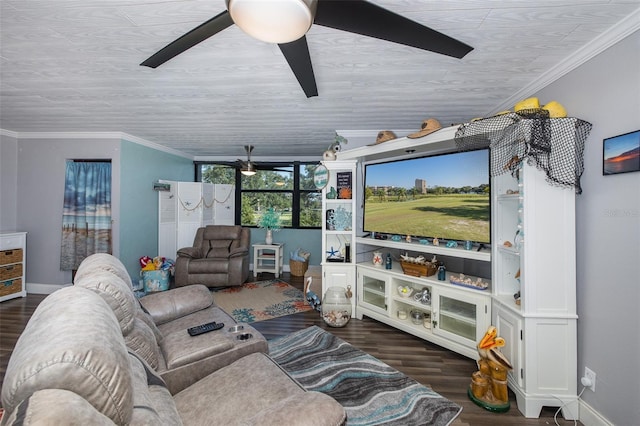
(531, 298)
(483, 255)
(454, 317)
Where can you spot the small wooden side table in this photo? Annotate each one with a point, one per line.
(268, 258)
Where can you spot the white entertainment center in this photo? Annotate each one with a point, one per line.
(531, 271)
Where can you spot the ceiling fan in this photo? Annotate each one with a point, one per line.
(247, 168)
(286, 22)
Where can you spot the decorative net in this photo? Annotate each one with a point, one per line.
(553, 145)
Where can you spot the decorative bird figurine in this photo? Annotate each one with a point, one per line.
(488, 348)
(312, 298)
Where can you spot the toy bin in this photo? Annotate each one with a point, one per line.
(155, 281)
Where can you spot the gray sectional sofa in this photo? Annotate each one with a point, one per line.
(92, 354)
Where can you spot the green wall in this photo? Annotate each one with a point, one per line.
(140, 166)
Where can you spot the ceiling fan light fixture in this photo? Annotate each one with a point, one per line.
(248, 171)
(273, 21)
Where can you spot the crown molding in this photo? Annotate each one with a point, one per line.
(613, 35)
(9, 133)
(95, 135)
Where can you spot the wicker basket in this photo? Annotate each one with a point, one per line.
(10, 271)
(298, 268)
(418, 269)
(8, 257)
(10, 287)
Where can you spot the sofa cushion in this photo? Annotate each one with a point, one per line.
(211, 265)
(142, 341)
(152, 402)
(219, 249)
(179, 348)
(104, 262)
(176, 303)
(116, 292)
(244, 389)
(55, 407)
(73, 342)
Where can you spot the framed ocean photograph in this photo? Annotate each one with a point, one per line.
(621, 154)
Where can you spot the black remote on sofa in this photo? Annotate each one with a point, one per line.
(204, 328)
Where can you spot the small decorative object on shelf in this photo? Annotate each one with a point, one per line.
(435, 242)
(336, 307)
(452, 244)
(343, 180)
(342, 219)
(468, 245)
(396, 238)
(332, 194)
(423, 296)
(442, 273)
(404, 290)
(424, 242)
(377, 259)
(465, 281)
(417, 317)
(417, 266)
(402, 314)
(388, 263)
(408, 238)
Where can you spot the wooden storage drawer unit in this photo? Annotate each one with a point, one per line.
(10, 287)
(13, 250)
(8, 257)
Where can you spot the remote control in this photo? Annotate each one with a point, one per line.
(205, 328)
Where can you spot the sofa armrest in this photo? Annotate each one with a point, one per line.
(239, 252)
(308, 409)
(175, 303)
(190, 252)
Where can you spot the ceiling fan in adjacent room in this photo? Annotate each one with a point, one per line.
(286, 22)
(247, 168)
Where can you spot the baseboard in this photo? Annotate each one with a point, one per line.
(35, 288)
(590, 417)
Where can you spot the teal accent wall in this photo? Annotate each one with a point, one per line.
(140, 166)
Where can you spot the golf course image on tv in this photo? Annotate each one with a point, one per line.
(444, 196)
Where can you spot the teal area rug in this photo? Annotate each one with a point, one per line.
(371, 392)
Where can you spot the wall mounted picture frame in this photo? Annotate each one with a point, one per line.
(621, 154)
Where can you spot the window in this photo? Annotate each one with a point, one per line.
(287, 187)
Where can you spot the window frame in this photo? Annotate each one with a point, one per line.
(296, 192)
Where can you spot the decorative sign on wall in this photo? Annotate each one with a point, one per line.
(320, 176)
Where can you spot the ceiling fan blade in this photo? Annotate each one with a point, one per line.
(297, 55)
(362, 17)
(190, 39)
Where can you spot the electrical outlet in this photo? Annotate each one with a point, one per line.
(591, 377)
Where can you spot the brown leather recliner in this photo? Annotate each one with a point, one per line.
(219, 257)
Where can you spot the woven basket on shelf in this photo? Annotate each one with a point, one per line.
(298, 268)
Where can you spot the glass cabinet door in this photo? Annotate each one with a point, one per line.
(372, 291)
(462, 318)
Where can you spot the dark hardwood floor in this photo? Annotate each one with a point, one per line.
(444, 371)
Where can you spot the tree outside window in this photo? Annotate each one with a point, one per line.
(286, 187)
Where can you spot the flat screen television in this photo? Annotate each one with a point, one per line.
(446, 196)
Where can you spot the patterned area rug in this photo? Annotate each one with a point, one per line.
(260, 300)
(371, 392)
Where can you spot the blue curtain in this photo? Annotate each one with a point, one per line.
(86, 222)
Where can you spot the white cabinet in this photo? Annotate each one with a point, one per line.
(13, 256)
(453, 317)
(338, 227)
(534, 288)
(188, 206)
